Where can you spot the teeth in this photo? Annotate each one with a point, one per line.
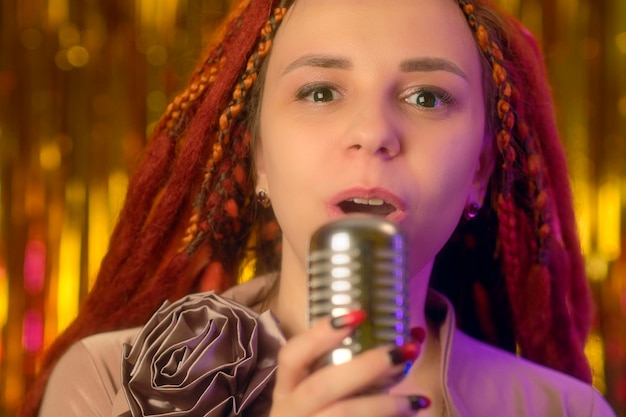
(369, 202)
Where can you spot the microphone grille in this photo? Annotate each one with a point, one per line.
(360, 263)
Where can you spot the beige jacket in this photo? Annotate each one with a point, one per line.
(478, 380)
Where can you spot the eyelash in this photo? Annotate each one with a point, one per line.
(306, 91)
(441, 96)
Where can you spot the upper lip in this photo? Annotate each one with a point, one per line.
(374, 196)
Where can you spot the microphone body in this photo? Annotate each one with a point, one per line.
(360, 263)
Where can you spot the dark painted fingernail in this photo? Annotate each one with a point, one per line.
(418, 402)
(418, 334)
(405, 353)
(351, 319)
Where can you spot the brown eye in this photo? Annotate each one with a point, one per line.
(323, 95)
(426, 99)
(317, 94)
(429, 99)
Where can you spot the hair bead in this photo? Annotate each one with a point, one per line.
(499, 74)
(503, 107)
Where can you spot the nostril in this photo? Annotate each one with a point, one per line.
(383, 150)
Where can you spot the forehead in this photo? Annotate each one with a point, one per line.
(387, 31)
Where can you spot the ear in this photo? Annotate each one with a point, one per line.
(259, 166)
(484, 169)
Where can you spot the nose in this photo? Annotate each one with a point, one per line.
(376, 131)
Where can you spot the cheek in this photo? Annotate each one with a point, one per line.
(286, 163)
(447, 163)
(292, 175)
(292, 170)
(444, 176)
(292, 151)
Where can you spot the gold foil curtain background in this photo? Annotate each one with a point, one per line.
(83, 82)
(81, 85)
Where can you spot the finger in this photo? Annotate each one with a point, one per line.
(377, 405)
(371, 370)
(296, 358)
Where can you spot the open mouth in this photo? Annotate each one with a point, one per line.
(372, 206)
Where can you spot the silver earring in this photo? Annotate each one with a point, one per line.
(471, 211)
(263, 199)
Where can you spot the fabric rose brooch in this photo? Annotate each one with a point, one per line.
(203, 355)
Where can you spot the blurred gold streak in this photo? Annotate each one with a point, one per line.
(68, 284)
(582, 197)
(98, 229)
(159, 14)
(4, 295)
(4, 280)
(58, 12)
(609, 206)
(69, 276)
(594, 351)
(117, 186)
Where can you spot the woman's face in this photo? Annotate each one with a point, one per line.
(373, 107)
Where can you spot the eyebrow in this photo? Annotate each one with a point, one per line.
(425, 64)
(319, 61)
(429, 64)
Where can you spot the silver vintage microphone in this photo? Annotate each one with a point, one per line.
(360, 263)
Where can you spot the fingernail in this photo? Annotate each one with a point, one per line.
(418, 402)
(351, 319)
(418, 334)
(405, 353)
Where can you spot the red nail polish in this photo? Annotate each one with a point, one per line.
(418, 334)
(405, 353)
(351, 319)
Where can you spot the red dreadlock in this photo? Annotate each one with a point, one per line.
(537, 279)
(144, 264)
(537, 243)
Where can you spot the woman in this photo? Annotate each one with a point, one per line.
(434, 114)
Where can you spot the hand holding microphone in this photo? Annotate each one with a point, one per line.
(358, 316)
